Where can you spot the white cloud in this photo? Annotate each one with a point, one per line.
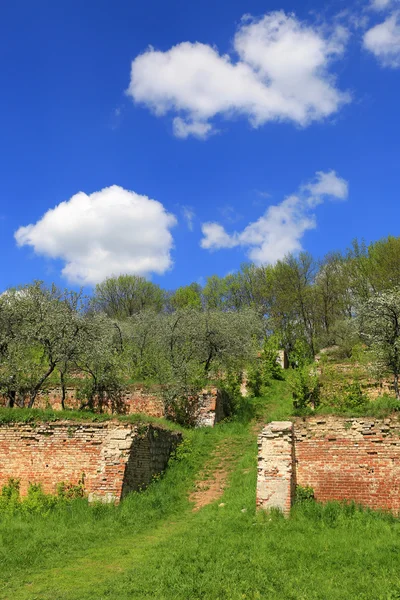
(280, 230)
(282, 74)
(383, 40)
(326, 184)
(189, 215)
(216, 237)
(108, 232)
(183, 129)
(381, 4)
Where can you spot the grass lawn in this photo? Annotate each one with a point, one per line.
(155, 546)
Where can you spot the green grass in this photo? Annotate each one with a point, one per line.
(383, 406)
(154, 546)
(36, 415)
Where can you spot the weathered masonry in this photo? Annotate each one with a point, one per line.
(341, 459)
(114, 458)
(210, 406)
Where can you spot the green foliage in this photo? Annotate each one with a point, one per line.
(183, 451)
(304, 494)
(305, 386)
(300, 354)
(265, 368)
(354, 396)
(188, 296)
(126, 295)
(33, 416)
(379, 324)
(70, 491)
(36, 501)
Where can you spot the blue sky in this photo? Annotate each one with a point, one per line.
(197, 139)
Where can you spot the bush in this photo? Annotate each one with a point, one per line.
(37, 501)
(354, 396)
(305, 387)
(304, 494)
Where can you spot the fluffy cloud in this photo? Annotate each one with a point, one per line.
(280, 230)
(383, 40)
(282, 74)
(108, 232)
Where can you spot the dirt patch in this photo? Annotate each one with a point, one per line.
(213, 479)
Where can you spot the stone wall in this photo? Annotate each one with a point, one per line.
(341, 459)
(135, 399)
(275, 466)
(114, 458)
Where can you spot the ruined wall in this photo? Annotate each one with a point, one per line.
(275, 466)
(350, 459)
(341, 459)
(115, 458)
(135, 399)
(211, 407)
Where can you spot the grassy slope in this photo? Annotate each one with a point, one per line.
(154, 546)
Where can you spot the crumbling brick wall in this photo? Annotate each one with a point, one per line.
(350, 459)
(138, 398)
(341, 459)
(115, 458)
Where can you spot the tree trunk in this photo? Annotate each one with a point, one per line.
(39, 385)
(11, 399)
(63, 390)
(396, 386)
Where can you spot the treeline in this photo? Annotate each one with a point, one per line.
(132, 330)
(54, 337)
(302, 301)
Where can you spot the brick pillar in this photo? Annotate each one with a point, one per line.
(275, 478)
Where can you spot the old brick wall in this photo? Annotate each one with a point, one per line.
(341, 459)
(138, 398)
(107, 453)
(350, 459)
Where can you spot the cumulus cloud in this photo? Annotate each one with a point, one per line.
(281, 74)
(108, 232)
(383, 40)
(280, 230)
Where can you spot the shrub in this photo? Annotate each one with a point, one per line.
(37, 501)
(354, 396)
(305, 387)
(304, 494)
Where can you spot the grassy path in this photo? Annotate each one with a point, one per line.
(90, 576)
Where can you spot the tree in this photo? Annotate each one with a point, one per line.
(101, 361)
(48, 332)
(188, 296)
(127, 295)
(379, 322)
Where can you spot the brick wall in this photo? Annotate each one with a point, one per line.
(350, 459)
(138, 398)
(115, 458)
(341, 459)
